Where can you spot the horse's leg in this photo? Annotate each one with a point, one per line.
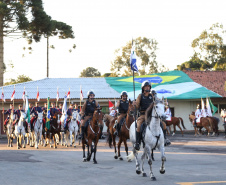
(180, 129)
(135, 153)
(142, 165)
(126, 147)
(83, 148)
(208, 130)
(114, 143)
(162, 151)
(36, 140)
(174, 129)
(8, 140)
(91, 148)
(24, 146)
(148, 151)
(71, 138)
(54, 139)
(119, 145)
(18, 142)
(94, 153)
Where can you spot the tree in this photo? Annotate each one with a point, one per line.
(28, 17)
(20, 79)
(209, 48)
(145, 50)
(90, 72)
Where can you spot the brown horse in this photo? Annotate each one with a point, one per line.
(204, 122)
(214, 124)
(54, 129)
(124, 133)
(175, 121)
(109, 122)
(93, 134)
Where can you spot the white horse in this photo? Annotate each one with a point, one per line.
(223, 115)
(72, 129)
(154, 138)
(9, 132)
(37, 132)
(20, 131)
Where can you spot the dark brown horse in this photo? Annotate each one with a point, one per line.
(54, 129)
(124, 133)
(175, 121)
(214, 124)
(204, 122)
(93, 134)
(109, 122)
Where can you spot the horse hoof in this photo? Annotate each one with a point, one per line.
(94, 162)
(8, 146)
(84, 159)
(162, 171)
(18, 147)
(116, 157)
(144, 175)
(120, 158)
(153, 178)
(55, 147)
(138, 172)
(74, 146)
(70, 145)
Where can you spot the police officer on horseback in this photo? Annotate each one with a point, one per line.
(87, 111)
(143, 101)
(121, 108)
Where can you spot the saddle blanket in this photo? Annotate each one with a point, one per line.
(169, 118)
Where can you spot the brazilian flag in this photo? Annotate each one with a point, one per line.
(48, 115)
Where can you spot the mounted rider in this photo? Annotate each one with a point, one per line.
(168, 113)
(143, 101)
(8, 113)
(88, 109)
(198, 115)
(18, 114)
(69, 116)
(121, 108)
(34, 111)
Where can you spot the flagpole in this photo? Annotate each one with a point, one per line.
(80, 98)
(3, 105)
(13, 98)
(69, 96)
(57, 97)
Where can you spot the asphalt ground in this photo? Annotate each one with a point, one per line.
(190, 160)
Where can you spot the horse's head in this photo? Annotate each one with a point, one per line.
(40, 117)
(105, 118)
(191, 117)
(131, 108)
(22, 116)
(159, 108)
(98, 116)
(75, 115)
(223, 113)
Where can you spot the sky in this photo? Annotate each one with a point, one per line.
(102, 26)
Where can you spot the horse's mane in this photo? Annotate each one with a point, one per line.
(148, 113)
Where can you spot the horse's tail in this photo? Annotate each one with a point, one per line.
(109, 139)
(182, 122)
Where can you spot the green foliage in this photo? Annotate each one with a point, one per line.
(106, 74)
(90, 72)
(20, 79)
(145, 50)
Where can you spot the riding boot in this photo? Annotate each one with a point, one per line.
(138, 140)
(195, 123)
(116, 129)
(102, 136)
(81, 136)
(167, 141)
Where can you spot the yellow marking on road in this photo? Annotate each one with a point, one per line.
(204, 182)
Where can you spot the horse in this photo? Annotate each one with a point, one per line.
(175, 121)
(214, 121)
(54, 129)
(93, 134)
(125, 129)
(204, 122)
(20, 130)
(153, 138)
(109, 122)
(72, 129)
(9, 132)
(223, 115)
(37, 132)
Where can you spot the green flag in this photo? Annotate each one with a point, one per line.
(213, 108)
(27, 110)
(48, 115)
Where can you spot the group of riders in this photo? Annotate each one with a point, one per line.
(143, 101)
(200, 113)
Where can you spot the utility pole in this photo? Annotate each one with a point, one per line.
(47, 57)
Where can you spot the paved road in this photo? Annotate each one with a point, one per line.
(190, 161)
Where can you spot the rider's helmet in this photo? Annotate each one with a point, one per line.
(89, 93)
(198, 106)
(145, 83)
(124, 93)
